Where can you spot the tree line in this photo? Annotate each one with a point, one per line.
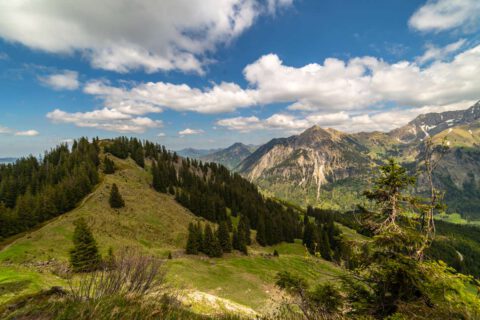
(321, 236)
(33, 190)
(211, 191)
(214, 243)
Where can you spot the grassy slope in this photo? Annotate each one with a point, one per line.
(154, 223)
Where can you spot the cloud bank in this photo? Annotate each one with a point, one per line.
(123, 35)
(364, 89)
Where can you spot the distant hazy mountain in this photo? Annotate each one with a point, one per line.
(195, 153)
(231, 156)
(330, 168)
(7, 160)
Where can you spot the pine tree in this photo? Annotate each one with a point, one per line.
(199, 237)
(308, 214)
(192, 244)
(157, 182)
(239, 241)
(109, 166)
(116, 200)
(224, 237)
(84, 255)
(261, 232)
(324, 246)
(235, 243)
(139, 157)
(217, 250)
(211, 245)
(208, 240)
(244, 227)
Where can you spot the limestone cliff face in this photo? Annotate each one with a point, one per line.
(318, 157)
(309, 160)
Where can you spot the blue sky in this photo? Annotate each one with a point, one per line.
(206, 74)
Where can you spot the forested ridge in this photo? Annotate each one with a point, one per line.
(211, 191)
(457, 245)
(33, 190)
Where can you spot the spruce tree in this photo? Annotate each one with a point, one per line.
(192, 244)
(224, 237)
(235, 243)
(109, 166)
(139, 157)
(84, 255)
(199, 237)
(217, 250)
(208, 240)
(244, 227)
(261, 232)
(324, 246)
(212, 246)
(116, 200)
(239, 241)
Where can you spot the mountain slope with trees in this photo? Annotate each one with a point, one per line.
(327, 168)
(155, 224)
(34, 190)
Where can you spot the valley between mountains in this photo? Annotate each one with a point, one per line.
(330, 169)
(228, 250)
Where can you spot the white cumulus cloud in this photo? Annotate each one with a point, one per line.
(122, 35)
(356, 86)
(105, 119)
(190, 132)
(375, 120)
(27, 133)
(441, 15)
(66, 80)
(436, 53)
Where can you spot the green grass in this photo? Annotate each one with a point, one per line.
(248, 280)
(17, 281)
(457, 219)
(155, 224)
(151, 221)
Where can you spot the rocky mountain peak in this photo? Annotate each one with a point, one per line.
(317, 134)
(432, 123)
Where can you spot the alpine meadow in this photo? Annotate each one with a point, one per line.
(240, 159)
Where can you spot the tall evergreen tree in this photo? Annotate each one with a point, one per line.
(116, 200)
(138, 156)
(244, 226)
(261, 239)
(224, 237)
(239, 242)
(308, 214)
(84, 255)
(192, 244)
(199, 237)
(324, 245)
(211, 245)
(109, 166)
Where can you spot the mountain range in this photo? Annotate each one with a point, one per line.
(329, 168)
(230, 157)
(7, 160)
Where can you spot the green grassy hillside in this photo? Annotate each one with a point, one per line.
(156, 224)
